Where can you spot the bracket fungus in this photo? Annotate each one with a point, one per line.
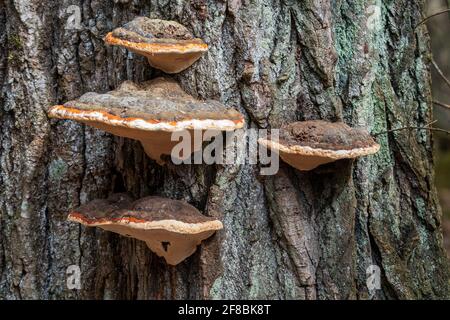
(150, 113)
(171, 228)
(167, 45)
(306, 145)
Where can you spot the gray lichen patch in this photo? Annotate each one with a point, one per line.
(324, 135)
(160, 99)
(56, 169)
(146, 30)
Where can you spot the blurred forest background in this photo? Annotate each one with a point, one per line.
(439, 28)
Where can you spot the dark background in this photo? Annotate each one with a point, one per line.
(439, 28)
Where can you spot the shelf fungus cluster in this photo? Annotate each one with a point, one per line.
(150, 112)
(167, 45)
(306, 145)
(171, 228)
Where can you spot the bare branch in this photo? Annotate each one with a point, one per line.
(441, 104)
(429, 17)
(426, 127)
(440, 72)
(441, 130)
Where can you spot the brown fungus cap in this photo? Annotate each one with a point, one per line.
(149, 112)
(171, 228)
(306, 145)
(167, 45)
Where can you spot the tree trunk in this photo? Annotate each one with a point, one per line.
(295, 235)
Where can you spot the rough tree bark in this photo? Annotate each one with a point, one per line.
(290, 236)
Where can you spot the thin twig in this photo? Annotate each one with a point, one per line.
(414, 128)
(426, 127)
(429, 17)
(440, 72)
(441, 104)
(440, 130)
